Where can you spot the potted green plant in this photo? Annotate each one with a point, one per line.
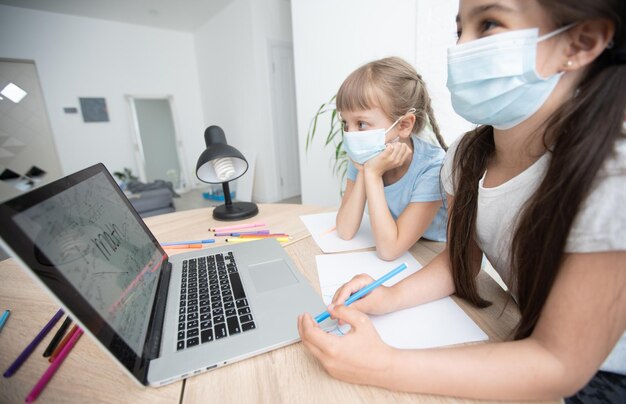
(124, 177)
(334, 137)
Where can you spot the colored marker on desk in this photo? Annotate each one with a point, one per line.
(174, 243)
(241, 233)
(31, 347)
(64, 342)
(245, 240)
(258, 236)
(332, 229)
(45, 378)
(183, 246)
(4, 317)
(57, 337)
(367, 289)
(236, 227)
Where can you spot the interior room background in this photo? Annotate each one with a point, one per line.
(227, 71)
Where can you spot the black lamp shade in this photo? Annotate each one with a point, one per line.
(220, 163)
(205, 168)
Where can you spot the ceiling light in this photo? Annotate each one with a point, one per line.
(13, 92)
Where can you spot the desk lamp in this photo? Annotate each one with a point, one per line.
(219, 164)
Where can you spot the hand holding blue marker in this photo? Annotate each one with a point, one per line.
(367, 289)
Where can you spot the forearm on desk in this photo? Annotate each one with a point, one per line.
(351, 210)
(430, 283)
(520, 370)
(384, 227)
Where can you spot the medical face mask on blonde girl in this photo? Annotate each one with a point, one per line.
(366, 133)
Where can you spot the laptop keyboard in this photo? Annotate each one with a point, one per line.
(213, 304)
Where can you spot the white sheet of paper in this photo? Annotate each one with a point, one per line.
(434, 324)
(322, 228)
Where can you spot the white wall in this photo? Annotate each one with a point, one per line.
(232, 53)
(332, 38)
(84, 57)
(435, 33)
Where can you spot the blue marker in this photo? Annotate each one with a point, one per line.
(367, 289)
(4, 317)
(208, 241)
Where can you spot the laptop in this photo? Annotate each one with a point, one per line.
(161, 318)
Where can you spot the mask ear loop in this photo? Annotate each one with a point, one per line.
(410, 111)
(556, 32)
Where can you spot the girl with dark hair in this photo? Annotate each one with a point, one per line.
(540, 189)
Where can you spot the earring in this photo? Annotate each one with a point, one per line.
(568, 63)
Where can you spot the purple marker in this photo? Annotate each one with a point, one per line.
(31, 347)
(239, 233)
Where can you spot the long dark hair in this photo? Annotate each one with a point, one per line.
(581, 135)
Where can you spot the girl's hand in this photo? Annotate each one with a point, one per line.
(360, 356)
(394, 155)
(378, 301)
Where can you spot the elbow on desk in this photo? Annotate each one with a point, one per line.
(388, 254)
(345, 235)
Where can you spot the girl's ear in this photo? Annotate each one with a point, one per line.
(586, 41)
(405, 126)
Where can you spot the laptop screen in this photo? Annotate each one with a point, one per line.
(82, 238)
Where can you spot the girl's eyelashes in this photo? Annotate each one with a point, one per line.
(360, 125)
(483, 28)
(488, 25)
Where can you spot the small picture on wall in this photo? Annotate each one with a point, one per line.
(94, 109)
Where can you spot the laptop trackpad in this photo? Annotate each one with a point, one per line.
(271, 275)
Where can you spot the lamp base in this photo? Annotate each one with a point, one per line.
(235, 211)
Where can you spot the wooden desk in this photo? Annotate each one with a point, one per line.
(287, 375)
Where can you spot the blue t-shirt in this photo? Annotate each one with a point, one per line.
(419, 184)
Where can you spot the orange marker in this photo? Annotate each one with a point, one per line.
(332, 229)
(183, 246)
(64, 341)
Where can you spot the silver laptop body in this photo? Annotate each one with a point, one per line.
(82, 240)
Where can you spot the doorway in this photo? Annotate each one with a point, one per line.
(28, 154)
(158, 150)
(284, 116)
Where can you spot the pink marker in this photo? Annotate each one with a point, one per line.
(236, 227)
(45, 378)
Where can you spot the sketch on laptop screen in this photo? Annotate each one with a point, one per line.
(92, 237)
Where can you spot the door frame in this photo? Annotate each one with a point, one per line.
(271, 45)
(140, 157)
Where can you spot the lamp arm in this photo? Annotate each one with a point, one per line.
(226, 189)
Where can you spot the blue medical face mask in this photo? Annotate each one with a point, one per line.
(364, 145)
(494, 81)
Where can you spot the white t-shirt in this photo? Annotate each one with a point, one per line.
(600, 224)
